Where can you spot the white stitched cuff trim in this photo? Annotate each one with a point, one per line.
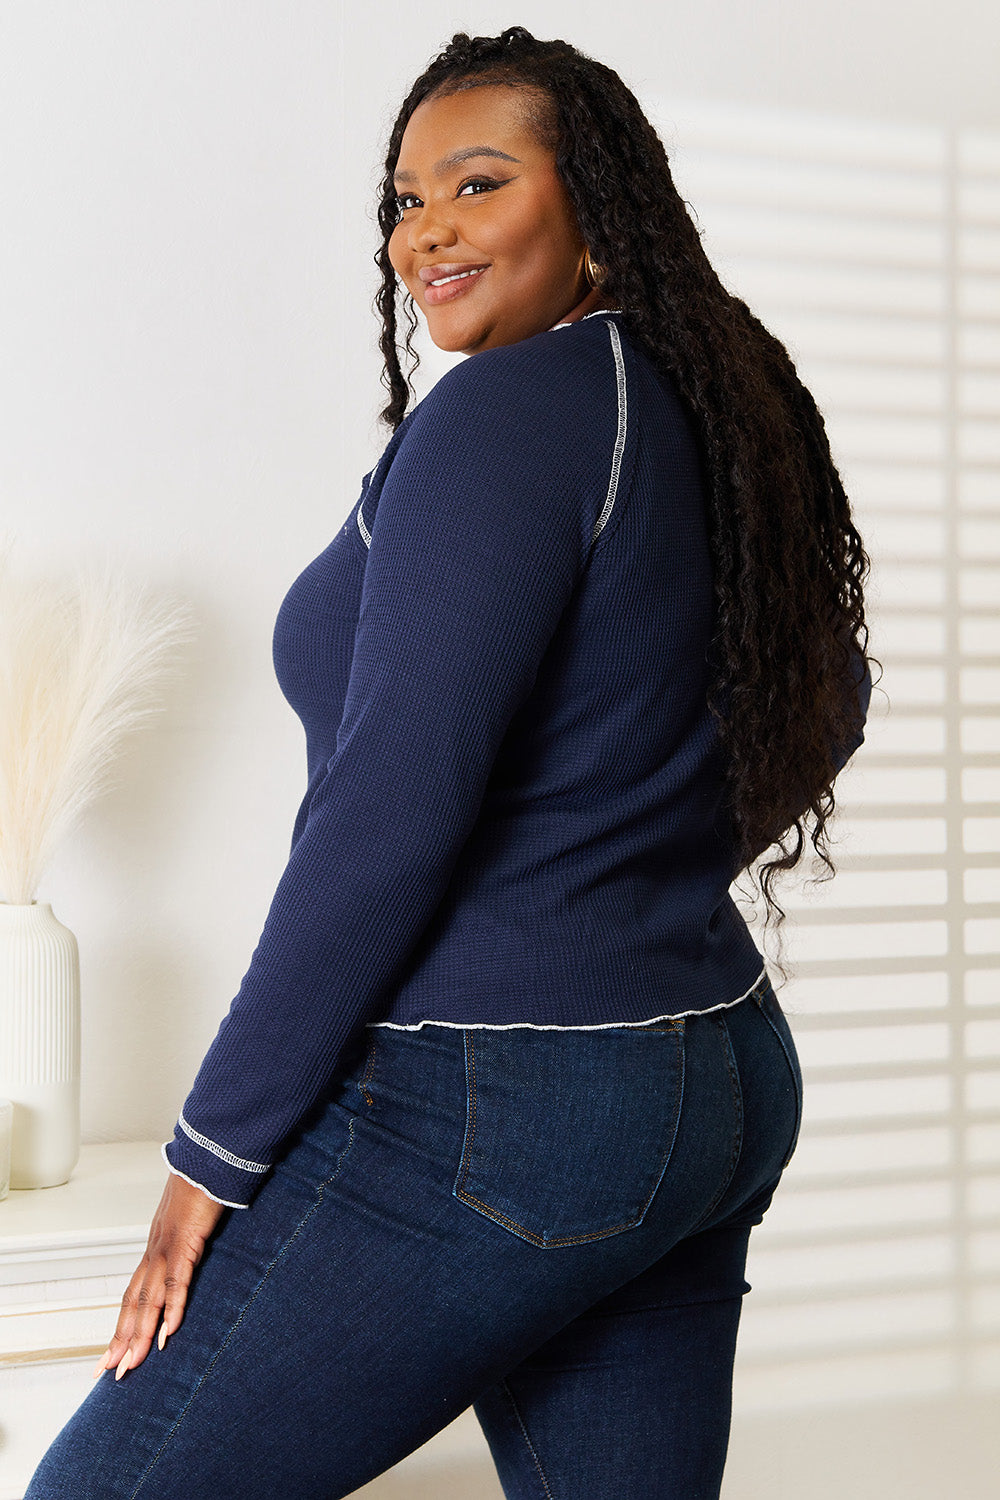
(220, 1151)
(675, 1015)
(224, 1201)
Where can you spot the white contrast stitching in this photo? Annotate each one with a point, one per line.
(366, 535)
(600, 313)
(674, 1015)
(616, 461)
(224, 1201)
(220, 1151)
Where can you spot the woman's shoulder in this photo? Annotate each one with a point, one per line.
(563, 379)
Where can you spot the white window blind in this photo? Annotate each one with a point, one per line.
(873, 251)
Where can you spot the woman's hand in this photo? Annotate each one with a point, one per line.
(181, 1225)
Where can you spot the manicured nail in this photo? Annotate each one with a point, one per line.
(102, 1364)
(124, 1363)
(162, 1336)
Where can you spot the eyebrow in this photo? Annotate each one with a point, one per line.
(453, 160)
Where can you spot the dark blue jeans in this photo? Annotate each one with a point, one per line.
(550, 1226)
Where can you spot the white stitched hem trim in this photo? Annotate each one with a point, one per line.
(224, 1201)
(220, 1151)
(675, 1015)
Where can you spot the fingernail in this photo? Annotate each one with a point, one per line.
(123, 1364)
(162, 1336)
(101, 1365)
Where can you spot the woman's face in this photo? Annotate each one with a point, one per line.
(477, 193)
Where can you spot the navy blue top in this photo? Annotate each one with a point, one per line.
(514, 806)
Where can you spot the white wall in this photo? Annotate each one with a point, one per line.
(189, 386)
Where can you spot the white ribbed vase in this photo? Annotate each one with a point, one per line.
(40, 1043)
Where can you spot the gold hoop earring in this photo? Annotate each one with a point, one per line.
(593, 272)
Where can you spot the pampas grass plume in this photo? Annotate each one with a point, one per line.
(82, 665)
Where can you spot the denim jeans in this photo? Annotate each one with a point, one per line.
(550, 1226)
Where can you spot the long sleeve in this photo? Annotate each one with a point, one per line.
(482, 529)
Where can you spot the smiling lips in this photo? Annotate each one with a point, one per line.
(445, 282)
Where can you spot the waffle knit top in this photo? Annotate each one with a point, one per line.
(514, 810)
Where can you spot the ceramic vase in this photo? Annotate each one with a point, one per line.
(40, 1043)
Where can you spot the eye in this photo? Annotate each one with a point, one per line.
(486, 183)
(478, 182)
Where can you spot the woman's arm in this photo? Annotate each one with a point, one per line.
(481, 531)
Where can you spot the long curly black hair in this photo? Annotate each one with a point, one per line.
(789, 565)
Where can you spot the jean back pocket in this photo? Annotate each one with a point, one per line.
(568, 1132)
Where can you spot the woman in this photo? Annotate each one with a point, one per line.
(506, 1084)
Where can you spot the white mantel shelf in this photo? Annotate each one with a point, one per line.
(67, 1254)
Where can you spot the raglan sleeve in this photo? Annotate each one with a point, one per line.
(480, 535)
